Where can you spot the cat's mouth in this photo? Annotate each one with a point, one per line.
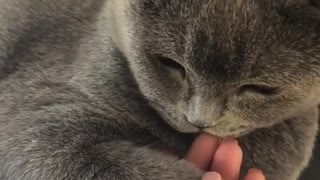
(227, 134)
(226, 127)
(182, 124)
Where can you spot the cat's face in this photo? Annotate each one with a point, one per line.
(223, 66)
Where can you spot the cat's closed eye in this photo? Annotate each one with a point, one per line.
(172, 66)
(260, 89)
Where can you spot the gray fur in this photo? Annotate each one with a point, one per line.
(82, 95)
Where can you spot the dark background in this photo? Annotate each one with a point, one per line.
(313, 172)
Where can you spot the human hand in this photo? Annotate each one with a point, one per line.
(221, 161)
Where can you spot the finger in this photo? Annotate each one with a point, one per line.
(202, 150)
(227, 160)
(211, 176)
(255, 174)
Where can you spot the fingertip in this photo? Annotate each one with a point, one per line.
(211, 176)
(202, 150)
(230, 140)
(205, 137)
(227, 159)
(255, 174)
(254, 170)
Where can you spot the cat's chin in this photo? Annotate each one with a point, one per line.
(227, 134)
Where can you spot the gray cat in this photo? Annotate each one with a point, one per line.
(103, 89)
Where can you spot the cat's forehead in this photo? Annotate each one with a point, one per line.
(195, 10)
(231, 36)
(221, 21)
(187, 20)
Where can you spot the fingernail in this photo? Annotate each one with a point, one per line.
(255, 170)
(212, 175)
(230, 140)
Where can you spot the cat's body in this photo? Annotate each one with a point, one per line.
(70, 107)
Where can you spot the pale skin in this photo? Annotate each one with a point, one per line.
(221, 160)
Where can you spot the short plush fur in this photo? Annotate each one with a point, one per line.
(106, 89)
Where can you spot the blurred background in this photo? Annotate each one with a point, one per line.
(313, 172)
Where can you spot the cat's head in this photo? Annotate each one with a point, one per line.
(222, 66)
